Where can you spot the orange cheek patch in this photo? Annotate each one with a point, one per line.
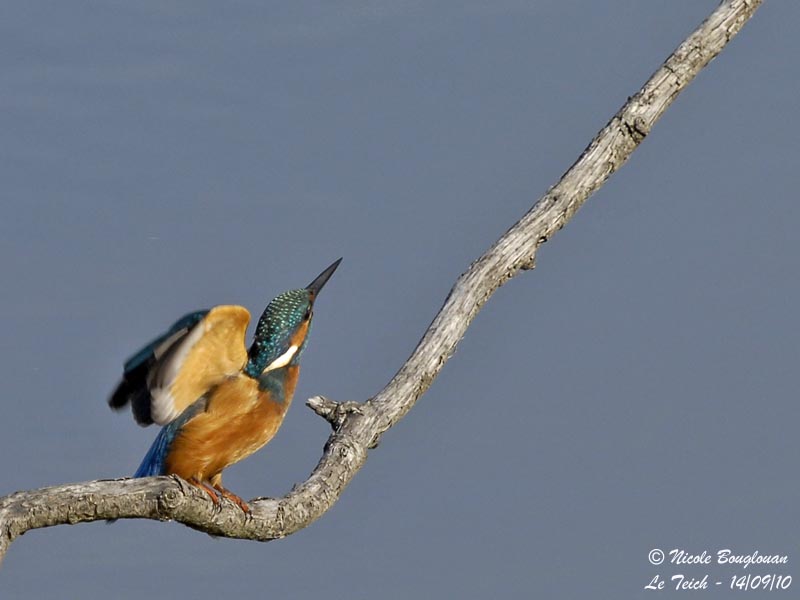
(300, 335)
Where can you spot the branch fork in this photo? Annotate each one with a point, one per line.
(334, 412)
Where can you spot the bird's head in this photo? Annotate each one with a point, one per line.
(282, 331)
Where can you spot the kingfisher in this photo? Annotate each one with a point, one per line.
(217, 401)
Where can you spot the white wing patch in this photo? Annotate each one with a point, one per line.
(160, 380)
(159, 350)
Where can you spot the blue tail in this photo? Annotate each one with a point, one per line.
(154, 461)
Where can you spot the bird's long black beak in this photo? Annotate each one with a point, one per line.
(315, 286)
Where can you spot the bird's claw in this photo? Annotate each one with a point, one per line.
(233, 498)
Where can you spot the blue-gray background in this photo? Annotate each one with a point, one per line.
(637, 390)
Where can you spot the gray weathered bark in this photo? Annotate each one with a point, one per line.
(359, 426)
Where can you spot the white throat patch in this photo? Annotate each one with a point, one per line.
(283, 360)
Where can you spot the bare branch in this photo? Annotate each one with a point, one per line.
(359, 426)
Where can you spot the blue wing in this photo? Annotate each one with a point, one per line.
(134, 388)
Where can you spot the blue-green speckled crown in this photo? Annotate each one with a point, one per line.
(280, 320)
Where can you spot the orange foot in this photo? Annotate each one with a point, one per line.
(206, 488)
(233, 498)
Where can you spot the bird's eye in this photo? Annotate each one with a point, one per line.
(308, 314)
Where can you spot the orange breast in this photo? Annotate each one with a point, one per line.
(239, 420)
